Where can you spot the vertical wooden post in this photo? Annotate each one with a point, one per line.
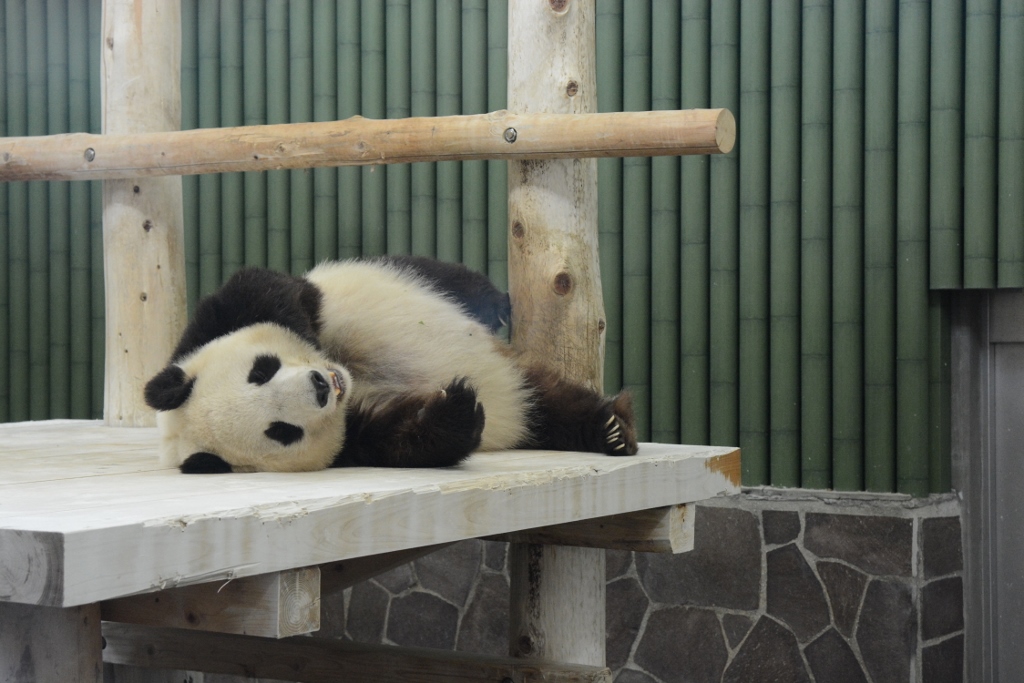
(558, 593)
(554, 273)
(50, 644)
(143, 234)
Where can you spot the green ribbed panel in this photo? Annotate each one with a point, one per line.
(777, 298)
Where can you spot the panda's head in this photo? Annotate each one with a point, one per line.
(261, 398)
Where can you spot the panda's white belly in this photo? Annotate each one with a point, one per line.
(397, 336)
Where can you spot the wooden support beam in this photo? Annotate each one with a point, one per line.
(50, 644)
(359, 142)
(660, 530)
(274, 605)
(557, 608)
(314, 660)
(337, 576)
(143, 223)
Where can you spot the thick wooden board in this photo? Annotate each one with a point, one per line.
(660, 530)
(315, 660)
(274, 605)
(87, 514)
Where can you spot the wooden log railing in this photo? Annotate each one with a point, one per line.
(359, 142)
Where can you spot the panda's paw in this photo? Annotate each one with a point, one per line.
(455, 414)
(618, 426)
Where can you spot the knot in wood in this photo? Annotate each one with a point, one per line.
(559, 6)
(518, 230)
(563, 283)
(510, 135)
(147, 225)
(572, 88)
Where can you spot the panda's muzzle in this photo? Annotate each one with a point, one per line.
(321, 387)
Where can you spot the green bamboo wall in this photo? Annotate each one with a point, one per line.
(789, 297)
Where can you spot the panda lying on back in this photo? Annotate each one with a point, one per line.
(387, 362)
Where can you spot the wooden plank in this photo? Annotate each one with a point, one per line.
(274, 605)
(337, 576)
(314, 660)
(109, 525)
(49, 644)
(358, 141)
(143, 225)
(659, 530)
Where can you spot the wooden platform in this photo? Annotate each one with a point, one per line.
(87, 514)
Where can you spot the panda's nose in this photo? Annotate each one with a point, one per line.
(322, 388)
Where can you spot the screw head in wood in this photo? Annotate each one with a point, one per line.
(90, 154)
(511, 135)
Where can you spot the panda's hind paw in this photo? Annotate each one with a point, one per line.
(618, 426)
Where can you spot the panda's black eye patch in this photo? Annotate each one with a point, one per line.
(263, 368)
(284, 433)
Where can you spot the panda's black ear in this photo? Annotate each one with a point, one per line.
(169, 388)
(205, 463)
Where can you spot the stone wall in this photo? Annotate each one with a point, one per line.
(782, 586)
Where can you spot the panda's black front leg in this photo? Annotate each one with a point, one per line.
(568, 416)
(435, 431)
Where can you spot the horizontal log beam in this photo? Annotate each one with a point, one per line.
(659, 530)
(316, 660)
(274, 605)
(358, 142)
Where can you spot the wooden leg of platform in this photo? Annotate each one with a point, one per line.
(557, 603)
(50, 644)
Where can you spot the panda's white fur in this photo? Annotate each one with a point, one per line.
(400, 337)
(225, 413)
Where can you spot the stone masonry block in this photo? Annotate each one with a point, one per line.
(942, 607)
(723, 570)
(944, 662)
(887, 631)
(682, 644)
(877, 545)
(450, 572)
(367, 610)
(780, 526)
(845, 588)
(795, 596)
(484, 628)
(770, 653)
(626, 605)
(422, 620)
(832, 660)
(941, 546)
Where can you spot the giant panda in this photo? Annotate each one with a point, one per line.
(388, 362)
